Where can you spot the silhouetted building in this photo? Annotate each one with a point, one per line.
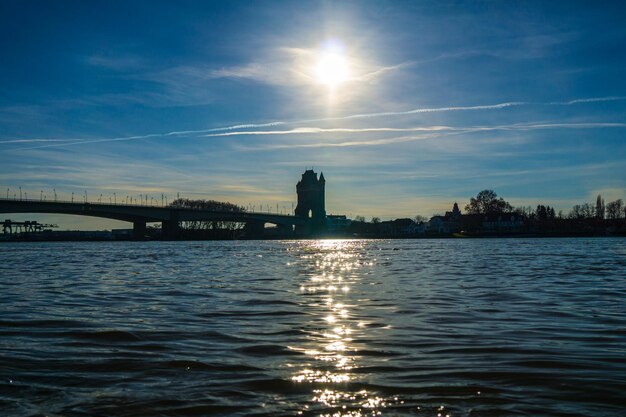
(311, 200)
(508, 222)
(398, 227)
(455, 214)
(450, 223)
(337, 223)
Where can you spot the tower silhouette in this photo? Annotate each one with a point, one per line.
(311, 200)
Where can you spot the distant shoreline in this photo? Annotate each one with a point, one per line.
(357, 237)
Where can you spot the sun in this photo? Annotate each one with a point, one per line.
(332, 68)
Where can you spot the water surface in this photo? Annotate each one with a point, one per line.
(529, 327)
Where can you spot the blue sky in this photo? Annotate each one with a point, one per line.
(223, 100)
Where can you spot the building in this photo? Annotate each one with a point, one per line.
(337, 223)
(503, 222)
(450, 223)
(311, 199)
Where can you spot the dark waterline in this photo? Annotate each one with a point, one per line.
(533, 327)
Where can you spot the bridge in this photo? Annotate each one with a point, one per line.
(311, 201)
(169, 217)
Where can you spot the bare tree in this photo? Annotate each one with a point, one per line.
(614, 209)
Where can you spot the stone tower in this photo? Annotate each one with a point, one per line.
(311, 199)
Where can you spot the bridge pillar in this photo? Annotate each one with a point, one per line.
(285, 230)
(254, 229)
(139, 230)
(304, 229)
(170, 230)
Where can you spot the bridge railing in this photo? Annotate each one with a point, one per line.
(82, 201)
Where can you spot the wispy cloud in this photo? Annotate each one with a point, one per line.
(438, 132)
(587, 100)
(313, 130)
(115, 63)
(215, 131)
(7, 142)
(469, 129)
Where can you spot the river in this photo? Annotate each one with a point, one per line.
(456, 327)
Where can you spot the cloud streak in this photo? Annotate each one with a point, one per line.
(469, 129)
(439, 131)
(214, 132)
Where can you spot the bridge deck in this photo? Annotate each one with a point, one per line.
(144, 213)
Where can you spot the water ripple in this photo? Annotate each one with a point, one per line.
(317, 328)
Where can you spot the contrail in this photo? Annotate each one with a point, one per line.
(148, 136)
(280, 123)
(313, 130)
(437, 134)
(208, 132)
(587, 100)
(305, 130)
(3, 142)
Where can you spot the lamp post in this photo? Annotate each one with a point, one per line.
(114, 199)
(72, 196)
(8, 193)
(41, 196)
(85, 196)
(54, 190)
(20, 193)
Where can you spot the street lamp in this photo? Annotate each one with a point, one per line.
(7, 193)
(85, 196)
(114, 199)
(72, 196)
(41, 196)
(54, 190)
(20, 193)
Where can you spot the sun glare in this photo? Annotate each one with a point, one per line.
(332, 68)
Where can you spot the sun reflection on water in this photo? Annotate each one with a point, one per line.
(332, 267)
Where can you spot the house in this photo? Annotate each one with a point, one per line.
(450, 223)
(337, 223)
(502, 222)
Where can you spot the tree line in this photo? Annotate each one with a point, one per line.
(207, 228)
(487, 202)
